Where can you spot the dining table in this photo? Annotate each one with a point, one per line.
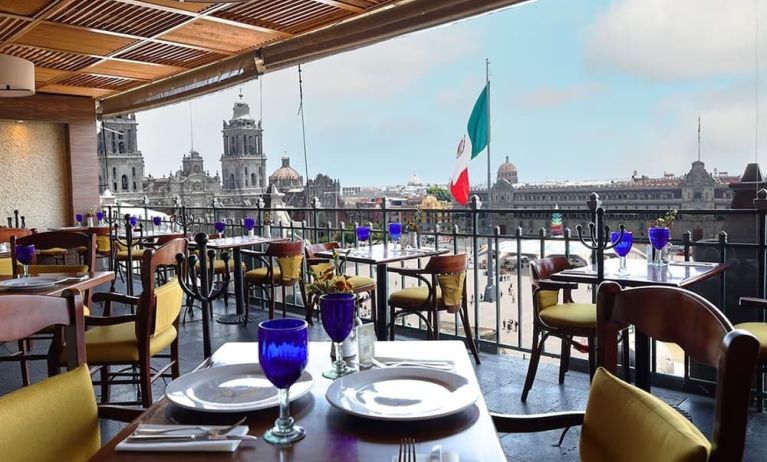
(639, 273)
(380, 256)
(69, 281)
(236, 244)
(333, 434)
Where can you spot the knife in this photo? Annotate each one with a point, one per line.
(436, 454)
(186, 438)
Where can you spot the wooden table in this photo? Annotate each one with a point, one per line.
(676, 274)
(94, 280)
(332, 435)
(381, 255)
(236, 244)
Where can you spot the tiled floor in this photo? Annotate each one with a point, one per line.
(500, 377)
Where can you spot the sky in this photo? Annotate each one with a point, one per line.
(580, 90)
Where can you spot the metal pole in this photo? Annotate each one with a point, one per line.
(490, 287)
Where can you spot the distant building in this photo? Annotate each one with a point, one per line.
(191, 184)
(286, 178)
(121, 165)
(243, 163)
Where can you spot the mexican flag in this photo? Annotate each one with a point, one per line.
(472, 143)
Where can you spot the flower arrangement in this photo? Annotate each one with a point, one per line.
(330, 281)
(666, 220)
(414, 225)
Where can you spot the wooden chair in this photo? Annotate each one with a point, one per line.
(759, 330)
(69, 242)
(103, 244)
(317, 266)
(287, 273)
(6, 265)
(134, 339)
(56, 418)
(562, 320)
(443, 290)
(622, 422)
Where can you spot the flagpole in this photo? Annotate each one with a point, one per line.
(489, 287)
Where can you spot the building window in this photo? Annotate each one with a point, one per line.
(134, 171)
(134, 185)
(122, 147)
(231, 180)
(115, 186)
(114, 172)
(125, 182)
(253, 179)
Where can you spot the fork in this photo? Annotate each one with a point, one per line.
(441, 365)
(406, 450)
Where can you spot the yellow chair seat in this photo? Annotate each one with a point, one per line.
(136, 254)
(82, 250)
(55, 419)
(52, 252)
(259, 274)
(118, 344)
(625, 423)
(6, 266)
(412, 297)
(580, 315)
(320, 268)
(219, 267)
(361, 281)
(758, 330)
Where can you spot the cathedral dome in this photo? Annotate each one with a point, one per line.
(286, 176)
(507, 171)
(414, 181)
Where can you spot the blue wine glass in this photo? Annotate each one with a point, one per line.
(283, 352)
(622, 248)
(659, 237)
(100, 216)
(337, 313)
(395, 231)
(79, 219)
(363, 233)
(249, 223)
(220, 227)
(133, 220)
(157, 221)
(25, 254)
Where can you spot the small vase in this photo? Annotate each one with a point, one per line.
(267, 230)
(252, 233)
(90, 221)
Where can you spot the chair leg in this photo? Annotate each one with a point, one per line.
(175, 367)
(284, 303)
(271, 303)
(104, 376)
(247, 302)
(759, 388)
(532, 368)
(392, 313)
(145, 382)
(373, 307)
(23, 363)
(592, 356)
(564, 360)
(626, 356)
(467, 330)
(435, 325)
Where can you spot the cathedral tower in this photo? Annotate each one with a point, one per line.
(243, 164)
(121, 165)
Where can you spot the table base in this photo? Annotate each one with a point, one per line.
(237, 318)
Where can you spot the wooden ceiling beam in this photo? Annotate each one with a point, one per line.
(347, 5)
(43, 14)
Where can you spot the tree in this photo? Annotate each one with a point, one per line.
(442, 194)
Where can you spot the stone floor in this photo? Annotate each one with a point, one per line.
(500, 377)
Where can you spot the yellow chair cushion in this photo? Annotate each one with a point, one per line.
(628, 424)
(580, 315)
(136, 254)
(170, 297)
(117, 343)
(452, 288)
(320, 268)
(758, 330)
(290, 267)
(55, 419)
(6, 266)
(361, 281)
(103, 244)
(413, 297)
(547, 298)
(259, 274)
(54, 251)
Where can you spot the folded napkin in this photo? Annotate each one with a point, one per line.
(221, 445)
(447, 456)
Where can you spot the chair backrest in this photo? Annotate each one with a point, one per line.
(6, 233)
(58, 239)
(289, 256)
(313, 249)
(103, 238)
(56, 418)
(543, 268)
(159, 307)
(679, 316)
(449, 272)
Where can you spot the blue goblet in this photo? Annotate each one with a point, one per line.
(25, 254)
(363, 233)
(395, 231)
(133, 220)
(220, 227)
(622, 248)
(100, 216)
(337, 313)
(283, 354)
(157, 221)
(249, 224)
(659, 237)
(79, 219)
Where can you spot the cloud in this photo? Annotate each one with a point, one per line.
(554, 97)
(676, 39)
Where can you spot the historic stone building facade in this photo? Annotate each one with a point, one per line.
(243, 163)
(121, 165)
(192, 184)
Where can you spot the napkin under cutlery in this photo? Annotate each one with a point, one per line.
(447, 456)
(196, 445)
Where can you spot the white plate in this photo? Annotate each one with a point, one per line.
(30, 283)
(402, 393)
(232, 388)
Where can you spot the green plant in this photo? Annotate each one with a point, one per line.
(442, 194)
(666, 220)
(414, 225)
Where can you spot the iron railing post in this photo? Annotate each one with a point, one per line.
(475, 204)
(384, 222)
(315, 205)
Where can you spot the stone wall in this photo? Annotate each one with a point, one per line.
(33, 159)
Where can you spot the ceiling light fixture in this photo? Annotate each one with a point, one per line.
(17, 77)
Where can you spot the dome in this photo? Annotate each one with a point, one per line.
(507, 171)
(286, 176)
(414, 181)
